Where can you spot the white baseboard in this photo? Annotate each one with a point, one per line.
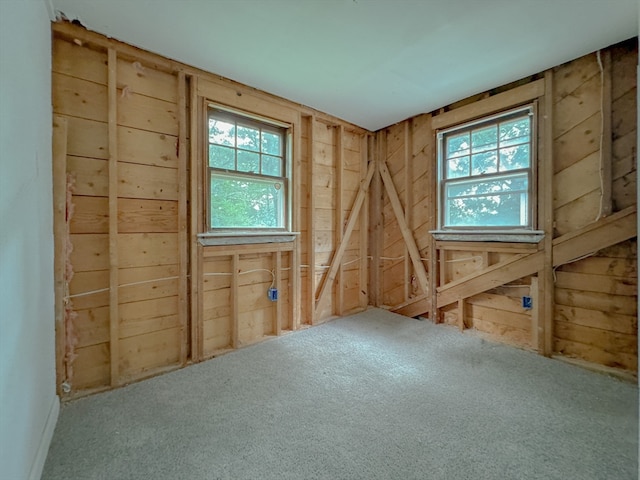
(45, 440)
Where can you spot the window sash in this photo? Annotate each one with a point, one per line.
(465, 174)
(491, 208)
(264, 175)
(266, 207)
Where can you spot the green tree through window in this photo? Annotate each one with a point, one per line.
(486, 173)
(248, 174)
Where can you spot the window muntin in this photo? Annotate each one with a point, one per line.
(248, 181)
(486, 173)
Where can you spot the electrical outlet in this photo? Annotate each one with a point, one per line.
(527, 303)
(272, 293)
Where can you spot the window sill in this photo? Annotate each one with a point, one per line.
(244, 238)
(514, 236)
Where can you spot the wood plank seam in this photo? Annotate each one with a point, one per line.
(337, 257)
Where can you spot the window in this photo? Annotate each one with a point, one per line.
(486, 173)
(248, 173)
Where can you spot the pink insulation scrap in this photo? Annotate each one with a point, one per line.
(71, 338)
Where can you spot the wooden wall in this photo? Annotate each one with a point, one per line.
(583, 275)
(138, 294)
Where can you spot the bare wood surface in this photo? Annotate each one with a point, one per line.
(363, 291)
(406, 233)
(606, 232)
(546, 199)
(311, 230)
(235, 300)
(277, 272)
(295, 277)
(537, 330)
(114, 321)
(607, 137)
(462, 313)
(196, 224)
(414, 306)
(501, 101)
(59, 158)
(183, 237)
(337, 258)
(339, 214)
(376, 225)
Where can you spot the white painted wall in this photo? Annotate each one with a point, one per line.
(28, 402)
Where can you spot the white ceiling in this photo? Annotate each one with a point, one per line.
(371, 62)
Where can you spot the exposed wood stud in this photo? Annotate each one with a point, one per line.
(183, 240)
(432, 188)
(295, 274)
(196, 222)
(351, 222)
(277, 272)
(408, 202)
(462, 313)
(59, 157)
(546, 283)
(376, 224)
(404, 229)
(311, 231)
(114, 322)
(606, 154)
(536, 333)
(235, 300)
(501, 101)
(339, 227)
(364, 226)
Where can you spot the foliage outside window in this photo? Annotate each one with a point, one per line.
(247, 173)
(486, 173)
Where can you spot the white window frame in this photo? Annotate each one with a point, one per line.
(225, 235)
(517, 233)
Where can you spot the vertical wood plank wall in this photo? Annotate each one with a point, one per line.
(146, 296)
(593, 300)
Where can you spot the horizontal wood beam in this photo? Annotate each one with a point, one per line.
(503, 247)
(225, 250)
(510, 98)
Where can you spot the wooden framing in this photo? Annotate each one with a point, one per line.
(339, 214)
(196, 223)
(114, 323)
(544, 332)
(607, 138)
(130, 130)
(235, 299)
(365, 160)
(375, 225)
(311, 229)
(337, 258)
(59, 157)
(404, 229)
(501, 101)
(183, 239)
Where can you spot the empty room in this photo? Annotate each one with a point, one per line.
(319, 239)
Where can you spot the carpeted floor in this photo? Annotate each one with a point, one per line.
(371, 396)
